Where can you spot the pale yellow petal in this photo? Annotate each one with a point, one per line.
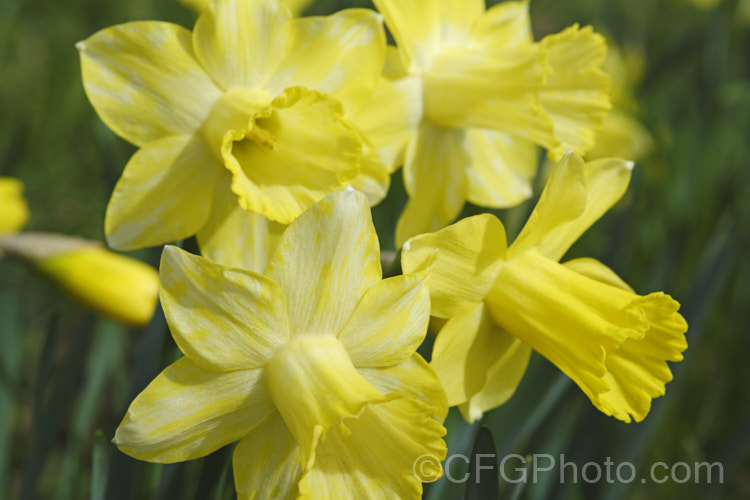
(373, 455)
(242, 42)
(164, 194)
(594, 269)
(292, 155)
(638, 371)
(145, 82)
(575, 197)
(576, 92)
(435, 178)
(235, 237)
(298, 6)
(511, 359)
(412, 377)
(326, 261)
(267, 462)
(221, 318)
(504, 25)
(621, 136)
(14, 212)
(501, 168)
(470, 254)
(187, 412)
(390, 322)
(341, 54)
(373, 178)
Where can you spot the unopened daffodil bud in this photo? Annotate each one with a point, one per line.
(114, 285)
(13, 209)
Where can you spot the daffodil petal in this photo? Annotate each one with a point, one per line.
(575, 197)
(267, 462)
(638, 371)
(325, 282)
(144, 81)
(373, 178)
(338, 54)
(621, 136)
(375, 453)
(422, 27)
(511, 359)
(413, 377)
(242, 42)
(504, 25)
(235, 237)
(298, 6)
(187, 412)
(390, 322)
(164, 194)
(470, 253)
(594, 269)
(435, 178)
(292, 158)
(222, 319)
(576, 92)
(501, 168)
(14, 212)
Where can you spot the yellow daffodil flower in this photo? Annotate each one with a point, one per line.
(114, 285)
(295, 6)
(254, 114)
(14, 212)
(502, 302)
(489, 96)
(311, 366)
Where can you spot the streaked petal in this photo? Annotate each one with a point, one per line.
(470, 254)
(576, 93)
(235, 237)
(412, 377)
(187, 412)
(340, 54)
(145, 82)
(390, 322)
(164, 194)
(375, 453)
(336, 234)
(267, 462)
(14, 212)
(511, 359)
(501, 168)
(221, 318)
(435, 178)
(504, 25)
(575, 197)
(242, 42)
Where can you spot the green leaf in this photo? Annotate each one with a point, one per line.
(483, 482)
(99, 466)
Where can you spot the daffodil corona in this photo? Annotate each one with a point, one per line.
(251, 118)
(501, 302)
(489, 97)
(311, 366)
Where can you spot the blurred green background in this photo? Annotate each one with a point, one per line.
(67, 376)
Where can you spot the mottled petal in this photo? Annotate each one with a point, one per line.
(145, 82)
(221, 318)
(470, 254)
(187, 412)
(326, 261)
(164, 194)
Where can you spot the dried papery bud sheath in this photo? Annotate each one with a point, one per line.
(114, 285)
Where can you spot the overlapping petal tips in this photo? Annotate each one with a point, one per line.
(14, 212)
(163, 195)
(338, 261)
(242, 42)
(187, 412)
(277, 473)
(576, 92)
(469, 257)
(390, 321)
(375, 452)
(348, 48)
(221, 318)
(576, 196)
(144, 81)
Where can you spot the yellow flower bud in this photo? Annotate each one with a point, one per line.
(13, 209)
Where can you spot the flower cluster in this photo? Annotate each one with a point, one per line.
(268, 137)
